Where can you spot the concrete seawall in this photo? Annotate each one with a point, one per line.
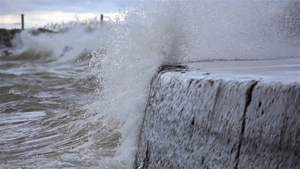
(205, 121)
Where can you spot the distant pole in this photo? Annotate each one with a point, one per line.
(22, 21)
(101, 17)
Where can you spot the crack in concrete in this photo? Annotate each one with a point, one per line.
(247, 103)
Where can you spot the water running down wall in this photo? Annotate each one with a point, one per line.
(206, 122)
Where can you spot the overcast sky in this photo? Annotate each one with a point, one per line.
(40, 12)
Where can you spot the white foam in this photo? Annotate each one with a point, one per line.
(160, 33)
(126, 54)
(21, 117)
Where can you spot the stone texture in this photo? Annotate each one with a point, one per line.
(272, 130)
(200, 122)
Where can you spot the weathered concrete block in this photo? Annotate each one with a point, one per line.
(192, 122)
(201, 122)
(272, 128)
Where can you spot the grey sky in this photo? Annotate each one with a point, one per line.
(10, 10)
(10, 7)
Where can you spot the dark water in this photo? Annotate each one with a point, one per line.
(42, 116)
(76, 99)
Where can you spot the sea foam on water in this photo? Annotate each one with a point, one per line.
(124, 55)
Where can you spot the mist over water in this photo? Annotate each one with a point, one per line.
(101, 73)
(158, 33)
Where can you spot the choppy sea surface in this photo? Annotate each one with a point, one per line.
(42, 114)
(76, 98)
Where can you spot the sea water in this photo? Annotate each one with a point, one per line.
(76, 98)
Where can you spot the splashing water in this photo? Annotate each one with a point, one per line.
(176, 32)
(118, 59)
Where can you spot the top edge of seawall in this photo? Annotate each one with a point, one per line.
(284, 70)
